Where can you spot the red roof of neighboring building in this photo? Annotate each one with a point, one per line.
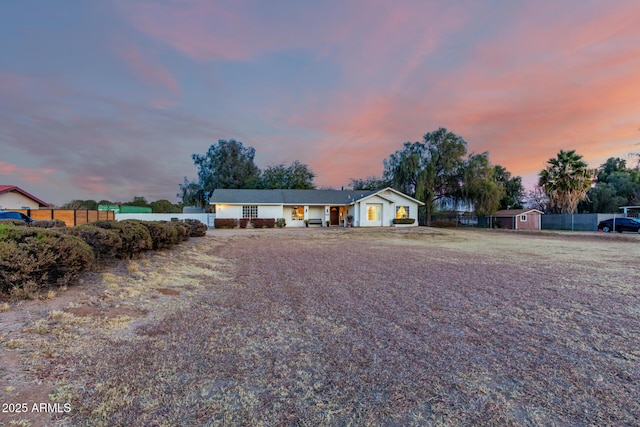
(9, 188)
(515, 212)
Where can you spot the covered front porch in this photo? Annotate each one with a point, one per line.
(317, 215)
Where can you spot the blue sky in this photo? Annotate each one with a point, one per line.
(109, 99)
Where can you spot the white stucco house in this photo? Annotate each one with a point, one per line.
(13, 197)
(367, 208)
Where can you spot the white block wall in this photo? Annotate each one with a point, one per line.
(203, 218)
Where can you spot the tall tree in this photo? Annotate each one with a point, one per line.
(617, 185)
(295, 176)
(192, 194)
(537, 199)
(81, 204)
(368, 183)
(164, 206)
(427, 170)
(137, 201)
(478, 184)
(229, 164)
(513, 197)
(566, 180)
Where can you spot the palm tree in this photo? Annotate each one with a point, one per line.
(566, 181)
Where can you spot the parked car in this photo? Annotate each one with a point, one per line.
(621, 224)
(16, 215)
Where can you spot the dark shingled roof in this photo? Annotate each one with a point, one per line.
(288, 197)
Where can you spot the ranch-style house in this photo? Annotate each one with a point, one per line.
(361, 208)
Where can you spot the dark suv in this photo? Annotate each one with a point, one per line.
(621, 224)
(15, 215)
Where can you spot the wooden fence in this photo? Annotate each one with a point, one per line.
(70, 217)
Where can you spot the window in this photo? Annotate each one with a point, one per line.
(373, 212)
(523, 218)
(250, 211)
(297, 213)
(402, 211)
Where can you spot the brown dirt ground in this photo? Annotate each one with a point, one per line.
(339, 327)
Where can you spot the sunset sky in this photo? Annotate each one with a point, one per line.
(109, 99)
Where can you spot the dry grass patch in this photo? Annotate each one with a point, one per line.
(351, 327)
(375, 328)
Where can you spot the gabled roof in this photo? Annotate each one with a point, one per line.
(379, 193)
(295, 197)
(516, 212)
(10, 188)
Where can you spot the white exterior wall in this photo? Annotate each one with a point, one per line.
(269, 212)
(361, 208)
(288, 217)
(203, 218)
(15, 200)
(228, 211)
(400, 201)
(316, 212)
(264, 211)
(388, 210)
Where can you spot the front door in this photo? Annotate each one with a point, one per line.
(334, 216)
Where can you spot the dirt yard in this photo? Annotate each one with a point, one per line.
(337, 327)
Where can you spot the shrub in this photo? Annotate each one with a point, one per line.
(35, 257)
(218, 223)
(243, 222)
(163, 235)
(404, 220)
(264, 222)
(49, 223)
(281, 222)
(183, 230)
(13, 222)
(134, 235)
(198, 229)
(105, 243)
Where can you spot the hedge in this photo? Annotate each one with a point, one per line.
(135, 236)
(264, 222)
(183, 230)
(225, 223)
(198, 229)
(49, 223)
(105, 243)
(163, 236)
(36, 257)
(15, 222)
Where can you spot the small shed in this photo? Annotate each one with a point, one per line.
(518, 219)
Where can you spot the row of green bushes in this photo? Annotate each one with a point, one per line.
(245, 222)
(49, 254)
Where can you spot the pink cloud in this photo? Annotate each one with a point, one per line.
(32, 175)
(148, 70)
(522, 95)
(91, 184)
(202, 30)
